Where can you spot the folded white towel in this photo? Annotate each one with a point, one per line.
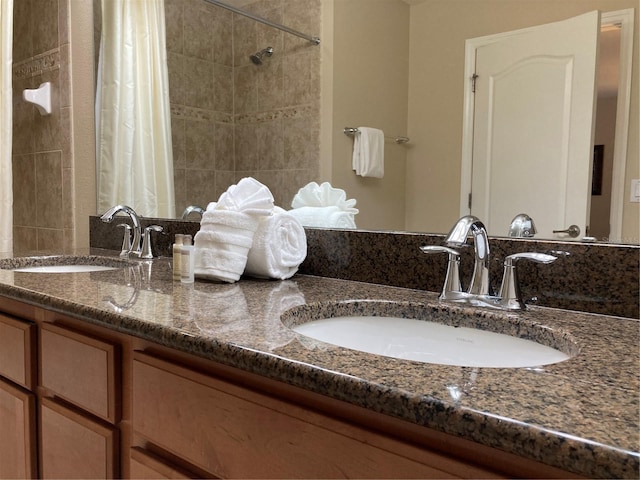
(227, 230)
(248, 196)
(325, 217)
(279, 247)
(324, 195)
(368, 152)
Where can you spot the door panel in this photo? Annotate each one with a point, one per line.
(533, 126)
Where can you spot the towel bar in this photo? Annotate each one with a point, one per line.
(351, 131)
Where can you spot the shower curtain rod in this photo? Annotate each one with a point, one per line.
(314, 40)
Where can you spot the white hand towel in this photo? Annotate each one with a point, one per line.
(279, 247)
(324, 217)
(368, 152)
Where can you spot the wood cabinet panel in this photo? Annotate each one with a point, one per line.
(74, 446)
(79, 369)
(146, 465)
(17, 351)
(237, 433)
(17, 433)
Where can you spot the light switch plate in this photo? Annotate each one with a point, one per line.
(635, 190)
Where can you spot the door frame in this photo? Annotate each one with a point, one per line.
(623, 18)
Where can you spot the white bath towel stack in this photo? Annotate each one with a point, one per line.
(227, 230)
(368, 152)
(323, 206)
(279, 247)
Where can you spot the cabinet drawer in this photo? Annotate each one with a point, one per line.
(17, 353)
(79, 369)
(74, 446)
(233, 432)
(146, 465)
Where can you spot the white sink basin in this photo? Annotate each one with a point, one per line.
(437, 336)
(63, 264)
(64, 268)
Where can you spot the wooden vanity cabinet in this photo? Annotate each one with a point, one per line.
(109, 405)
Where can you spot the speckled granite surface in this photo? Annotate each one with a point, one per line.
(588, 277)
(580, 415)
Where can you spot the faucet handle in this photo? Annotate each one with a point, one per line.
(510, 297)
(126, 240)
(452, 286)
(147, 252)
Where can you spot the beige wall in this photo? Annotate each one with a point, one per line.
(370, 89)
(438, 32)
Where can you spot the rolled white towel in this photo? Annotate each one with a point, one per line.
(325, 217)
(279, 247)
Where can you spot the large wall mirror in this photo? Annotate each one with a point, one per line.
(397, 65)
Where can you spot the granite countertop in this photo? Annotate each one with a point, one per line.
(580, 415)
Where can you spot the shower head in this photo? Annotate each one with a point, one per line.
(257, 57)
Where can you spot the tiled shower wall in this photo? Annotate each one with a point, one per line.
(231, 118)
(42, 159)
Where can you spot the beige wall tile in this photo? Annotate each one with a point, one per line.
(50, 239)
(174, 20)
(198, 32)
(270, 146)
(246, 147)
(223, 88)
(45, 25)
(223, 37)
(201, 187)
(198, 83)
(49, 189)
(22, 38)
(224, 147)
(24, 190)
(199, 145)
(25, 240)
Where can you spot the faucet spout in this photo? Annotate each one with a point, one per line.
(107, 217)
(457, 237)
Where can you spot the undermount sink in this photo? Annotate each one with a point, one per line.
(62, 264)
(432, 334)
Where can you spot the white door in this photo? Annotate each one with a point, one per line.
(533, 126)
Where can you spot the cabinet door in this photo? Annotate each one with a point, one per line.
(17, 433)
(74, 446)
(17, 353)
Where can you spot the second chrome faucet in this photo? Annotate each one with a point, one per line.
(479, 292)
(140, 244)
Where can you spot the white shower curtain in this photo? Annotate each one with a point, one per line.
(134, 149)
(6, 115)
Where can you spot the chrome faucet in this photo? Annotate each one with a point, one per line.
(136, 247)
(522, 226)
(457, 237)
(190, 209)
(479, 291)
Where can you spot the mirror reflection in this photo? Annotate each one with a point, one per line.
(281, 120)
